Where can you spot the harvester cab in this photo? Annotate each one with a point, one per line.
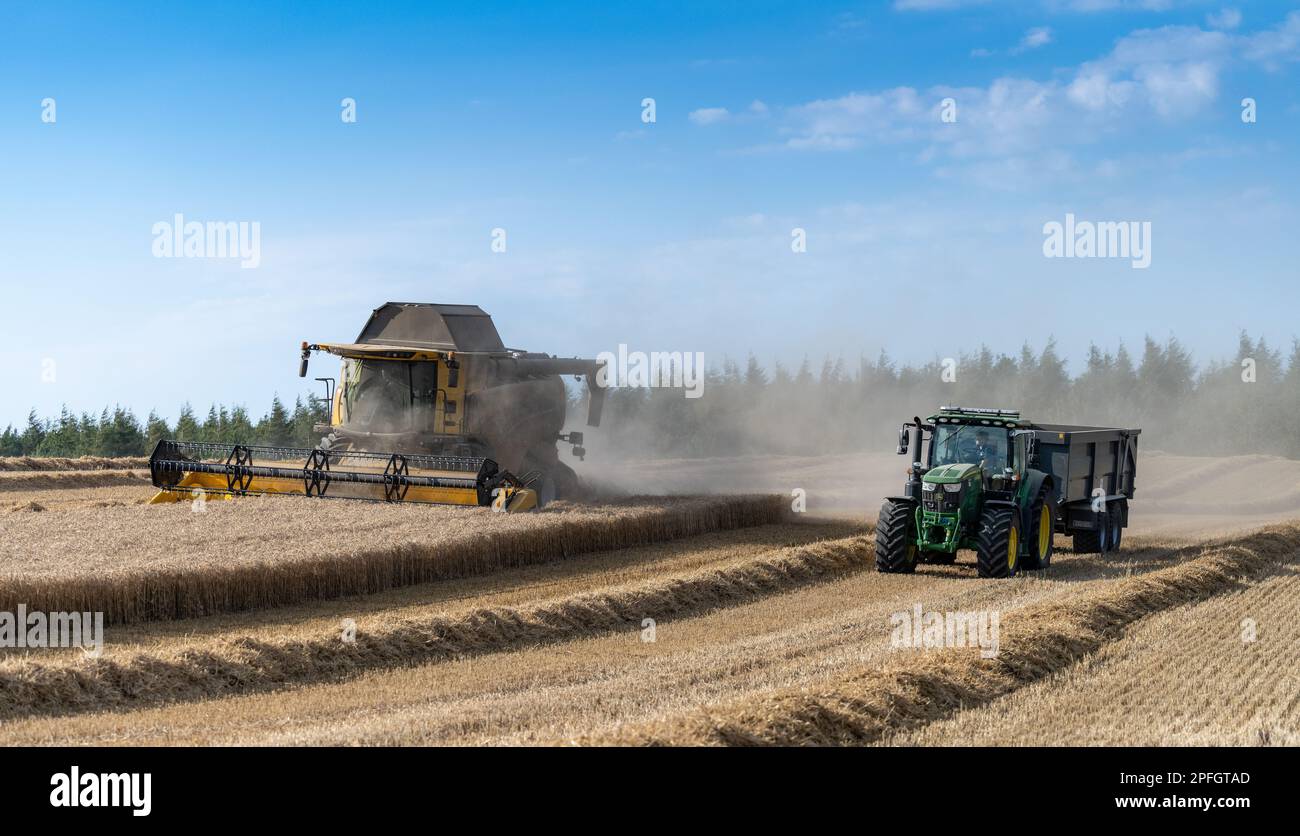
(429, 406)
(993, 482)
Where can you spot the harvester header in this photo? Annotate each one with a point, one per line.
(181, 470)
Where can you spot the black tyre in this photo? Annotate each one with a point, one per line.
(1096, 540)
(1116, 525)
(1040, 540)
(545, 487)
(997, 544)
(895, 540)
(939, 558)
(567, 484)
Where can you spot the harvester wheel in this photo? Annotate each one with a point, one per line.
(997, 544)
(545, 487)
(895, 543)
(1042, 520)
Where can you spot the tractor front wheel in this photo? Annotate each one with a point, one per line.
(997, 545)
(895, 540)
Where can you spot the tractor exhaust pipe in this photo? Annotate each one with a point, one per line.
(913, 487)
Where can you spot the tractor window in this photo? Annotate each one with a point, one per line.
(970, 444)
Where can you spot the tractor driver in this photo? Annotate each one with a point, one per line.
(987, 453)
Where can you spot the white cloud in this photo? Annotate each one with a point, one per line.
(758, 108)
(1019, 131)
(1036, 37)
(1275, 46)
(845, 122)
(1225, 19)
(1173, 70)
(848, 22)
(709, 115)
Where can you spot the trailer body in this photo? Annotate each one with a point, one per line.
(1093, 469)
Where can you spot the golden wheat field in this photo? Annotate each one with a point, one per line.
(680, 619)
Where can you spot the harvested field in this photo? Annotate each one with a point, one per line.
(109, 497)
(1235, 686)
(538, 693)
(245, 664)
(475, 628)
(14, 483)
(41, 463)
(1041, 640)
(168, 561)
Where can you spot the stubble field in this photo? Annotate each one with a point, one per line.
(710, 619)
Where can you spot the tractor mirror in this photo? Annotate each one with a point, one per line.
(902, 440)
(302, 366)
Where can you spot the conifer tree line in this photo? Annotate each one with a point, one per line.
(1224, 407)
(118, 432)
(1247, 404)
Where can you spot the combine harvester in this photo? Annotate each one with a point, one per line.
(1001, 485)
(430, 406)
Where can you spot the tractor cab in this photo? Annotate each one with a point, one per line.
(985, 439)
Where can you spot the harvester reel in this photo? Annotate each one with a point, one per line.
(238, 469)
(395, 484)
(316, 473)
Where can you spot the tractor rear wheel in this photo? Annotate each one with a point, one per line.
(895, 541)
(1042, 521)
(997, 545)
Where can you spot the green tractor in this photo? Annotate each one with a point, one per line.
(995, 483)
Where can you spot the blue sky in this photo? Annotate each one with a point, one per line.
(924, 237)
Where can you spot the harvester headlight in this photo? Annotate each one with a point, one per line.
(953, 487)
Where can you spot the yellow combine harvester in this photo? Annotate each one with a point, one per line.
(430, 406)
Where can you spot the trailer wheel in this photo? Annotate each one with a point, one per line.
(1096, 540)
(1040, 540)
(895, 545)
(997, 545)
(1116, 526)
